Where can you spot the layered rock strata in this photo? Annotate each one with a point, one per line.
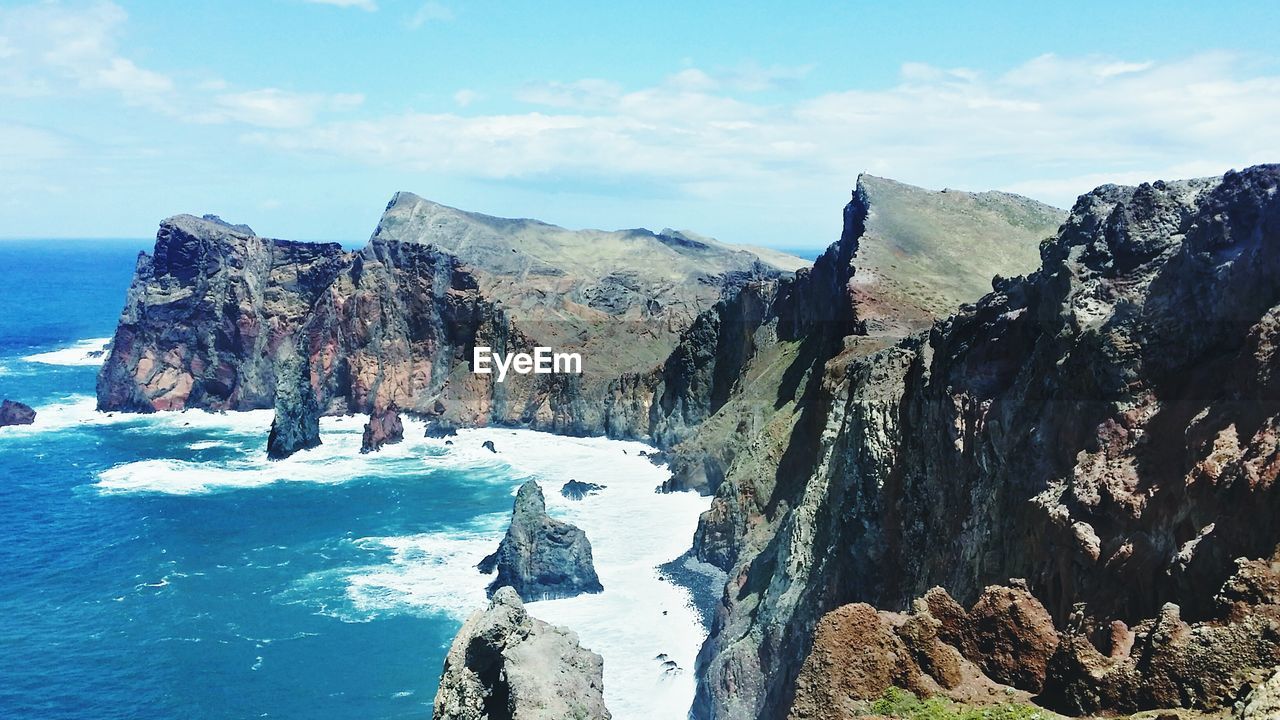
(506, 665)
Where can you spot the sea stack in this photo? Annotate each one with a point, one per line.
(15, 413)
(384, 428)
(505, 664)
(541, 558)
(297, 422)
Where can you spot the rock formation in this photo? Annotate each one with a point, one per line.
(15, 413)
(541, 558)
(506, 665)
(576, 489)
(1104, 427)
(384, 428)
(296, 425)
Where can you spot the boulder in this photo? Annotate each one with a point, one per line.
(384, 428)
(541, 558)
(505, 664)
(15, 413)
(576, 489)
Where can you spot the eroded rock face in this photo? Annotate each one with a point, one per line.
(384, 428)
(1105, 427)
(15, 413)
(506, 665)
(540, 557)
(296, 425)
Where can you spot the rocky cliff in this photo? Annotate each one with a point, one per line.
(393, 325)
(540, 557)
(506, 665)
(1104, 427)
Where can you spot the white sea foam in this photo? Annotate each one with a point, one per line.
(336, 460)
(632, 530)
(84, 352)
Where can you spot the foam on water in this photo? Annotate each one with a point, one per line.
(337, 459)
(84, 352)
(632, 529)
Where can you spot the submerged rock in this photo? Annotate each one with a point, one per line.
(488, 445)
(506, 664)
(297, 422)
(576, 489)
(15, 413)
(541, 558)
(384, 428)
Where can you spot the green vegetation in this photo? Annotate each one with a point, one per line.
(898, 703)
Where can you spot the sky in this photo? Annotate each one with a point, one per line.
(747, 121)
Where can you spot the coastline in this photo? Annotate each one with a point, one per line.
(645, 619)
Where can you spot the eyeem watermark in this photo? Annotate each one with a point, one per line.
(542, 361)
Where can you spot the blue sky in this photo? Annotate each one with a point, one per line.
(747, 121)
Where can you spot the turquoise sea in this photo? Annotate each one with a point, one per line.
(160, 567)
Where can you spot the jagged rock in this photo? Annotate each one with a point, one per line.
(395, 323)
(1104, 427)
(540, 557)
(436, 429)
(296, 425)
(577, 490)
(384, 428)
(505, 664)
(488, 445)
(15, 413)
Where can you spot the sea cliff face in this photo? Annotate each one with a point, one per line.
(1104, 428)
(213, 311)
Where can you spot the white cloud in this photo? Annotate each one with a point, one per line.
(57, 48)
(51, 47)
(429, 12)
(274, 108)
(1052, 126)
(465, 97)
(366, 5)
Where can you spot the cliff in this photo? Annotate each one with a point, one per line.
(506, 665)
(1104, 428)
(393, 325)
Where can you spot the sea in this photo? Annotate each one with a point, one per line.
(159, 566)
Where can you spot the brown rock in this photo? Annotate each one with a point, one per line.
(1013, 637)
(384, 428)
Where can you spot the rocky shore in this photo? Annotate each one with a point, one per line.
(1054, 484)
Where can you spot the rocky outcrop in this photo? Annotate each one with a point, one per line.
(384, 428)
(540, 557)
(15, 413)
(506, 665)
(1104, 427)
(394, 324)
(577, 490)
(296, 425)
(1263, 701)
